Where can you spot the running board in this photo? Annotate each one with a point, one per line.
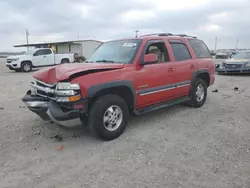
(158, 106)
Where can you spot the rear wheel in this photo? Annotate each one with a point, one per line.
(198, 93)
(108, 117)
(26, 67)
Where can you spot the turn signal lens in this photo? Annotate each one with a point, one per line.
(74, 98)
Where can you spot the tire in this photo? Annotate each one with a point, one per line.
(197, 101)
(101, 109)
(64, 61)
(26, 67)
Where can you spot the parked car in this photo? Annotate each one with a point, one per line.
(39, 57)
(239, 63)
(222, 55)
(122, 78)
(212, 52)
(79, 58)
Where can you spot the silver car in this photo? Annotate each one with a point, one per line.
(239, 63)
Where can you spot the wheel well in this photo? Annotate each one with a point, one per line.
(204, 76)
(122, 91)
(26, 62)
(67, 59)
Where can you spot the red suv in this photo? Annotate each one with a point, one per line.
(123, 77)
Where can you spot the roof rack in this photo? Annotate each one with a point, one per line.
(184, 35)
(168, 34)
(158, 34)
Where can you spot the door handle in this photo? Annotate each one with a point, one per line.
(192, 66)
(44, 56)
(170, 70)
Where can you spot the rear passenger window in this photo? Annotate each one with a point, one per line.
(42, 52)
(180, 51)
(47, 51)
(200, 48)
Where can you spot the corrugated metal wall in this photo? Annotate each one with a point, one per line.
(88, 47)
(62, 48)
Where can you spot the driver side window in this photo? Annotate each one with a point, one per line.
(160, 50)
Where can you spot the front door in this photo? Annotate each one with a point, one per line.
(154, 82)
(43, 57)
(183, 66)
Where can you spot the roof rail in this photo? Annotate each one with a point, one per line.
(168, 34)
(157, 34)
(184, 35)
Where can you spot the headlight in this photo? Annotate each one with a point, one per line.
(247, 65)
(67, 92)
(16, 59)
(67, 86)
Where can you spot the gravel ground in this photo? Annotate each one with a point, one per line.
(174, 147)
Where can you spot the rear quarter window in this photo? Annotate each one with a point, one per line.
(200, 48)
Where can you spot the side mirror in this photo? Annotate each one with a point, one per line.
(150, 59)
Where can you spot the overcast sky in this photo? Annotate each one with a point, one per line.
(57, 20)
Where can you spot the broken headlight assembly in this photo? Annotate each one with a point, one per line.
(67, 92)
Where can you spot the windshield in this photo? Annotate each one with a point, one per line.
(122, 51)
(242, 55)
(30, 52)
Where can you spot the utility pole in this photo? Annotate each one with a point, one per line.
(136, 33)
(78, 37)
(237, 43)
(27, 38)
(215, 44)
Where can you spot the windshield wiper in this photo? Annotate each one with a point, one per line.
(105, 61)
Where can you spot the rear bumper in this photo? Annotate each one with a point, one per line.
(50, 110)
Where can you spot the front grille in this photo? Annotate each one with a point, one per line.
(39, 83)
(44, 94)
(234, 66)
(44, 90)
(9, 60)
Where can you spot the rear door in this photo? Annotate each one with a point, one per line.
(183, 66)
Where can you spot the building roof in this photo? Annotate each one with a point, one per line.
(51, 43)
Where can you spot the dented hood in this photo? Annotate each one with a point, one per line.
(61, 72)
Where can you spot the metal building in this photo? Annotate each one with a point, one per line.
(83, 47)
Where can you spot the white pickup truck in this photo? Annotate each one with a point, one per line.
(39, 57)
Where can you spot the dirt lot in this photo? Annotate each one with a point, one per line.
(170, 148)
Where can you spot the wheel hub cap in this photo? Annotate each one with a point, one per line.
(26, 67)
(112, 118)
(200, 93)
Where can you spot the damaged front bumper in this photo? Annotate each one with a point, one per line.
(48, 109)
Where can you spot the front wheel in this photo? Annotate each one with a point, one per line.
(108, 117)
(198, 93)
(26, 67)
